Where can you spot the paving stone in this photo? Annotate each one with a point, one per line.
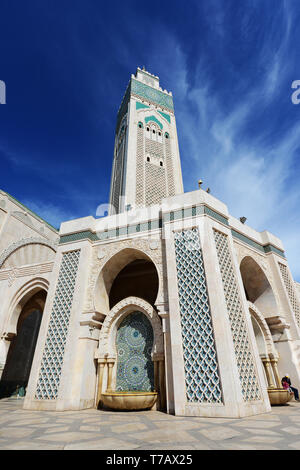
(164, 435)
(295, 445)
(102, 444)
(57, 429)
(67, 436)
(264, 432)
(128, 427)
(29, 445)
(107, 430)
(256, 424)
(15, 432)
(292, 430)
(264, 439)
(245, 446)
(182, 425)
(219, 433)
(90, 428)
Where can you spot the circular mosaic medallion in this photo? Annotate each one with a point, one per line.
(134, 345)
(136, 335)
(135, 371)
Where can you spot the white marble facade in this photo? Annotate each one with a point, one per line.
(218, 296)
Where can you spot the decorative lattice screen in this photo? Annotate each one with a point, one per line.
(245, 361)
(200, 359)
(53, 355)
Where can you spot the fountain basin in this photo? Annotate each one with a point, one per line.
(129, 400)
(279, 396)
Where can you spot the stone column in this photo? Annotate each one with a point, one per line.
(275, 372)
(110, 364)
(266, 362)
(162, 388)
(101, 367)
(166, 379)
(156, 382)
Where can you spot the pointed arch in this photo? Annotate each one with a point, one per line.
(257, 287)
(21, 297)
(110, 270)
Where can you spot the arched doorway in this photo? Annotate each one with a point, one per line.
(134, 343)
(138, 279)
(129, 272)
(19, 359)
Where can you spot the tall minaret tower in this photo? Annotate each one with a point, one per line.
(146, 166)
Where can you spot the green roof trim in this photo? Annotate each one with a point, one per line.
(179, 214)
(262, 248)
(112, 233)
(31, 212)
(194, 211)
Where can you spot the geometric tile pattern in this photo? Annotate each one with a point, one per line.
(170, 168)
(245, 361)
(134, 341)
(156, 188)
(139, 180)
(199, 352)
(151, 94)
(53, 355)
(290, 291)
(118, 166)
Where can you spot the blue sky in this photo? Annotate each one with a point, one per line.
(229, 63)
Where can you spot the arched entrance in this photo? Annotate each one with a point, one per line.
(129, 272)
(20, 354)
(138, 279)
(131, 352)
(125, 292)
(134, 343)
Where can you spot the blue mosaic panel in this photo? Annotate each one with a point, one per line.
(53, 355)
(199, 352)
(134, 341)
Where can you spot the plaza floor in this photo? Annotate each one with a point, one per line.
(147, 430)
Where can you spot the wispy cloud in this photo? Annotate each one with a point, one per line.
(50, 213)
(253, 173)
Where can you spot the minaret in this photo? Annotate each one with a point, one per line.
(146, 166)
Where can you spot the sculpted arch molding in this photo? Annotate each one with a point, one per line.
(117, 314)
(24, 242)
(18, 301)
(264, 327)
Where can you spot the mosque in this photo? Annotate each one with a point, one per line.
(166, 303)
